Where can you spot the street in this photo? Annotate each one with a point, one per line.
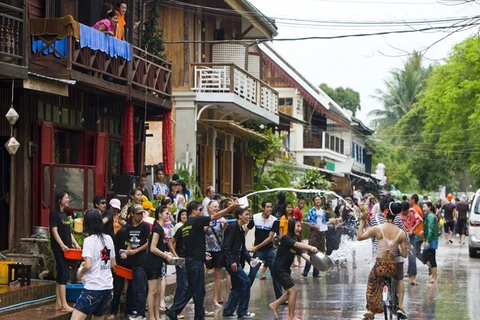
(340, 294)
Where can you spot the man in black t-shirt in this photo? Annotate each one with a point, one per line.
(193, 237)
(266, 226)
(448, 213)
(138, 233)
(178, 250)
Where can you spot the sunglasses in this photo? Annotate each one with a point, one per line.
(103, 202)
(200, 209)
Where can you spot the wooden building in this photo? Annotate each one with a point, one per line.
(82, 106)
(218, 87)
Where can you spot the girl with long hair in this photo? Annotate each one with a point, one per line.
(61, 239)
(99, 255)
(430, 232)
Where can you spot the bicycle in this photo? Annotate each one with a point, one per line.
(390, 298)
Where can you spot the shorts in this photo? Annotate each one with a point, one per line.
(217, 261)
(62, 268)
(284, 278)
(94, 302)
(155, 272)
(448, 226)
(399, 273)
(462, 226)
(430, 256)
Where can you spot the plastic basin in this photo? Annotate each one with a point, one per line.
(73, 291)
(73, 254)
(123, 272)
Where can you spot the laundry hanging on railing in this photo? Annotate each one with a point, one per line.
(61, 47)
(97, 40)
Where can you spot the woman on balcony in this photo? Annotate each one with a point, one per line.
(108, 25)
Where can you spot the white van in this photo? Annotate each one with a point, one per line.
(473, 225)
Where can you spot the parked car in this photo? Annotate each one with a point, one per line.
(474, 226)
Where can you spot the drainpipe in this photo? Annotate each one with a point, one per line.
(11, 204)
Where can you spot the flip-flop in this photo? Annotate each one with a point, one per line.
(262, 278)
(414, 283)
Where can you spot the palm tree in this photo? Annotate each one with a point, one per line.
(401, 93)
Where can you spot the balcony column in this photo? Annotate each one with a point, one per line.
(186, 136)
(323, 140)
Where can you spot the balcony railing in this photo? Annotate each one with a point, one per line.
(323, 140)
(11, 34)
(144, 72)
(228, 78)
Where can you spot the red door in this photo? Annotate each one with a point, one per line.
(46, 157)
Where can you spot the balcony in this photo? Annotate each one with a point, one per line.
(12, 60)
(323, 144)
(127, 70)
(231, 86)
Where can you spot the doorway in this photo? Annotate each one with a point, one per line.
(4, 191)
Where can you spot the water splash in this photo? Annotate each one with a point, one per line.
(345, 251)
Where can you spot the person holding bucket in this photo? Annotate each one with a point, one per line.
(61, 239)
(290, 245)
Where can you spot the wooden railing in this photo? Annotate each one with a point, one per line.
(11, 34)
(228, 78)
(323, 140)
(145, 72)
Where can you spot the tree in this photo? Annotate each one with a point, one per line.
(344, 97)
(402, 91)
(152, 38)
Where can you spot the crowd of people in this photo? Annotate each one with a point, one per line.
(211, 234)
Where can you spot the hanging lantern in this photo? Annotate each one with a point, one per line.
(12, 145)
(12, 116)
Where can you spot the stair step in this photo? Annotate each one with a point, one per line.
(42, 312)
(36, 290)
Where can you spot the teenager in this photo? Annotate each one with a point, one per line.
(99, 254)
(290, 246)
(61, 240)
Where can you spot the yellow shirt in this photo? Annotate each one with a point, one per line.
(283, 226)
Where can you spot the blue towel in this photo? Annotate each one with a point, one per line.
(97, 40)
(61, 45)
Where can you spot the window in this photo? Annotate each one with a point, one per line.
(285, 101)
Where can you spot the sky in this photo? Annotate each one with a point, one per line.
(362, 63)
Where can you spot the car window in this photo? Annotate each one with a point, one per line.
(476, 208)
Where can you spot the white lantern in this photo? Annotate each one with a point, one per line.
(12, 116)
(12, 145)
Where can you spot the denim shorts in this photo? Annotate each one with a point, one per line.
(94, 302)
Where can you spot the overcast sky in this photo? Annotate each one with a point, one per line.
(361, 63)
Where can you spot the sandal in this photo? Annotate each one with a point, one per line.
(262, 278)
(368, 316)
(414, 283)
(401, 314)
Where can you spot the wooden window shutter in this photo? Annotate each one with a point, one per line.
(46, 144)
(101, 152)
(226, 167)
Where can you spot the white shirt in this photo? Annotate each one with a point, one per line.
(99, 277)
(205, 203)
(320, 224)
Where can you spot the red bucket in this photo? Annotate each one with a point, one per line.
(123, 272)
(73, 254)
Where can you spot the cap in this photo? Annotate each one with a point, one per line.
(115, 203)
(348, 198)
(174, 182)
(217, 197)
(137, 209)
(147, 205)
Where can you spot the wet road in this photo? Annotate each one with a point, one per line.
(340, 294)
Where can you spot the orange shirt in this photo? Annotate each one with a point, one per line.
(120, 25)
(420, 213)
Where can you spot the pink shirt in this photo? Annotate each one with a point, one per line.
(106, 22)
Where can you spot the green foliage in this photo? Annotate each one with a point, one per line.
(313, 179)
(190, 178)
(345, 97)
(152, 38)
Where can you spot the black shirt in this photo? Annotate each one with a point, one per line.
(285, 254)
(137, 237)
(152, 259)
(462, 208)
(179, 247)
(448, 207)
(108, 227)
(120, 240)
(193, 236)
(262, 229)
(146, 193)
(60, 220)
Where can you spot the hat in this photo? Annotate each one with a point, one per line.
(217, 197)
(174, 182)
(137, 209)
(147, 205)
(115, 203)
(449, 197)
(348, 198)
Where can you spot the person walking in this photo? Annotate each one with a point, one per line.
(193, 238)
(235, 256)
(411, 220)
(99, 254)
(431, 241)
(448, 210)
(461, 216)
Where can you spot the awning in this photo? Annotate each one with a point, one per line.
(231, 127)
(289, 118)
(359, 176)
